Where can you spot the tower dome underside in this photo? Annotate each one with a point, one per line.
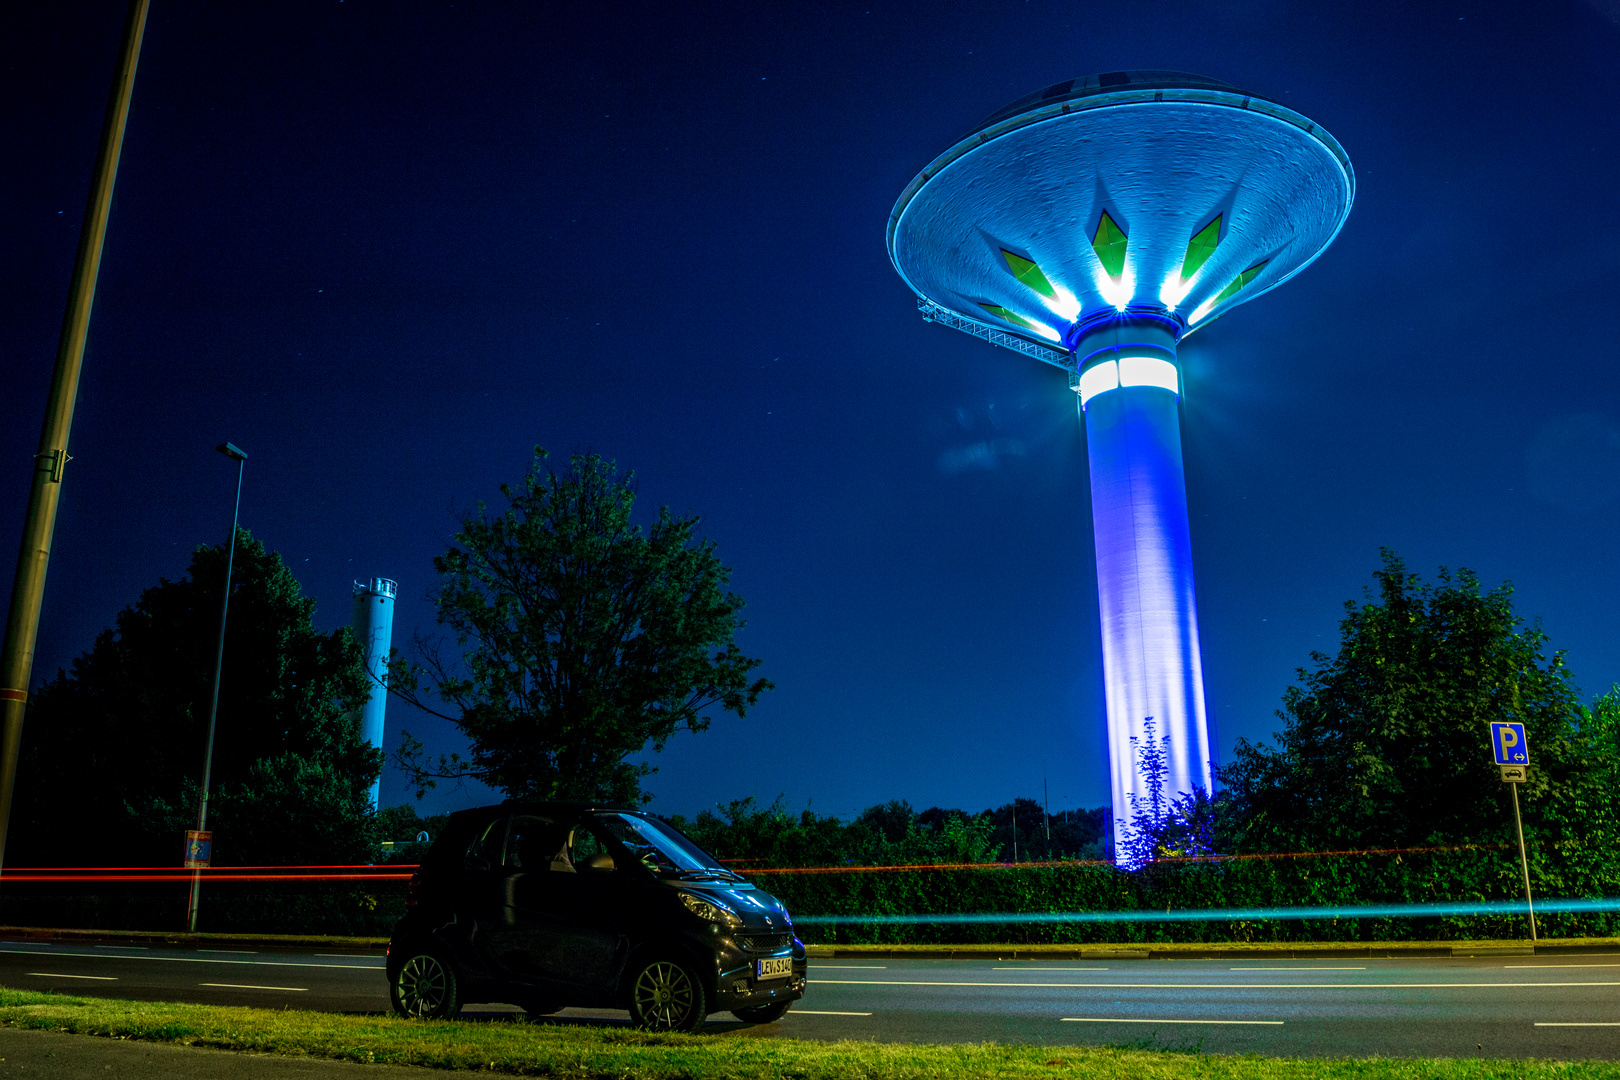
(1185, 207)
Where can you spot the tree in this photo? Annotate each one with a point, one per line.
(1386, 745)
(112, 750)
(585, 639)
(1161, 825)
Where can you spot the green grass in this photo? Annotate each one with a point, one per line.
(588, 1052)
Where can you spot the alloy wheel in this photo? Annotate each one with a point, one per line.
(423, 985)
(663, 996)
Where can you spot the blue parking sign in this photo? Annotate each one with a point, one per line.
(1510, 745)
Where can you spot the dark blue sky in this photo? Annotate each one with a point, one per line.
(388, 247)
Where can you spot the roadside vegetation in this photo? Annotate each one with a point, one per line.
(582, 1052)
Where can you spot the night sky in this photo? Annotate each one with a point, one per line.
(387, 248)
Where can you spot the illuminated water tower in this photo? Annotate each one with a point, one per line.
(1093, 225)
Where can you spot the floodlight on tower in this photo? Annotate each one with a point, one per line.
(1093, 225)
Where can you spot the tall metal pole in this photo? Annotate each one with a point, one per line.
(1524, 862)
(219, 664)
(39, 526)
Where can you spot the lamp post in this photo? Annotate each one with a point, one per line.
(197, 863)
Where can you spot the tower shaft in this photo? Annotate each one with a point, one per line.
(1149, 610)
(374, 630)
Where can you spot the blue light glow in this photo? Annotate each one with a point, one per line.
(1439, 909)
(1151, 663)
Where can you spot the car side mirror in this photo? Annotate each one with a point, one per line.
(600, 861)
(477, 863)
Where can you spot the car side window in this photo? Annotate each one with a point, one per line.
(486, 846)
(587, 852)
(535, 843)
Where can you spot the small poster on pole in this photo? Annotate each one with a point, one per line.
(199, 845)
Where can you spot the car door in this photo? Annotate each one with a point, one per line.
(480, 891)
(573, 913)
(519, 939)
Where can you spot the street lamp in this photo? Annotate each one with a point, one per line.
(198, 845)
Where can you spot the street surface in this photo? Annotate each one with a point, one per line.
(1565, 1006)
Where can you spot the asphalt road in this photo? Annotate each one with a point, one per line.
(1495, 1006)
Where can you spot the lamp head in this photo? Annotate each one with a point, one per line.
(230, 450)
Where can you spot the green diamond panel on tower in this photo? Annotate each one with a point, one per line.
(1241, 280)
(1109, 244)
(1027, 272)
(1011, 316)
(1200, 248)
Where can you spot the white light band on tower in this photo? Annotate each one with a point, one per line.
(1127, 371)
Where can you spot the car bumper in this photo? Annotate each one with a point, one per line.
(737, 987)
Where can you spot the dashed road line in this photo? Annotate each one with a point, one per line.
(823, 1012)
(1124, 1020)
(57, 975)
(1577, 1023)
(239, 986)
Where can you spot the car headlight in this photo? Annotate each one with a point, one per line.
(710, 910)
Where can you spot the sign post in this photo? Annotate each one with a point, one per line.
(1513, 759)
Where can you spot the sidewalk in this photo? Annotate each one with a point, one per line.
(49, 1055)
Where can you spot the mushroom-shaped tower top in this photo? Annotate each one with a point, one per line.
(1141, 192)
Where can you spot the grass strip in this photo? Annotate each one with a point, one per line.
(571, 1051)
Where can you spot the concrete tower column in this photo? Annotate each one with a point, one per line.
(1129, 387)
(374, 629)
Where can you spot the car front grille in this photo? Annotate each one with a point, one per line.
(765, 942)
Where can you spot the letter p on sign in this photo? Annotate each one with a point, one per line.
(1509, 743)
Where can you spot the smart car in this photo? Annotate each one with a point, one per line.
(549, 905)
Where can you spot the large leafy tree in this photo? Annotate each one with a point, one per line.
(583, 639)
(1386, 744)
(113, 748)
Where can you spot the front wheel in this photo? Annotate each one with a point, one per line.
(666, 996)
(426, 987)
(762, 1014)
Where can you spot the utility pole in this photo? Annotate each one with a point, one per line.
(1046, 819)
(39, 525)
(236, 454)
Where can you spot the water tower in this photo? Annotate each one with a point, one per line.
(374, 630)
(1093, 225)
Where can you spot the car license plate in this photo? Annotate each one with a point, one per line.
(778, 967)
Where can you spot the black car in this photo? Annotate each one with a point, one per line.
(547, 905)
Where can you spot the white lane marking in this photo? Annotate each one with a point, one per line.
(55, 975)
(1122, 1020)
(345, 955)
(823, 1012)
(1511, 966)
(142, 947)
(201, 960)
(239, 986)
(1595, 1023)
(239, 952)
(1046, 969)
(1214, 986)
(850, 967)
(1299, 969)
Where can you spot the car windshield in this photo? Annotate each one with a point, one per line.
(662, 849)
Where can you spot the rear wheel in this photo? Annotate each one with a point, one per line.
(762, 1014)
(665, 995)
(426, 986)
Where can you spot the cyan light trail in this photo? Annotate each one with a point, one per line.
(1347, 911)
(1098, 222)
